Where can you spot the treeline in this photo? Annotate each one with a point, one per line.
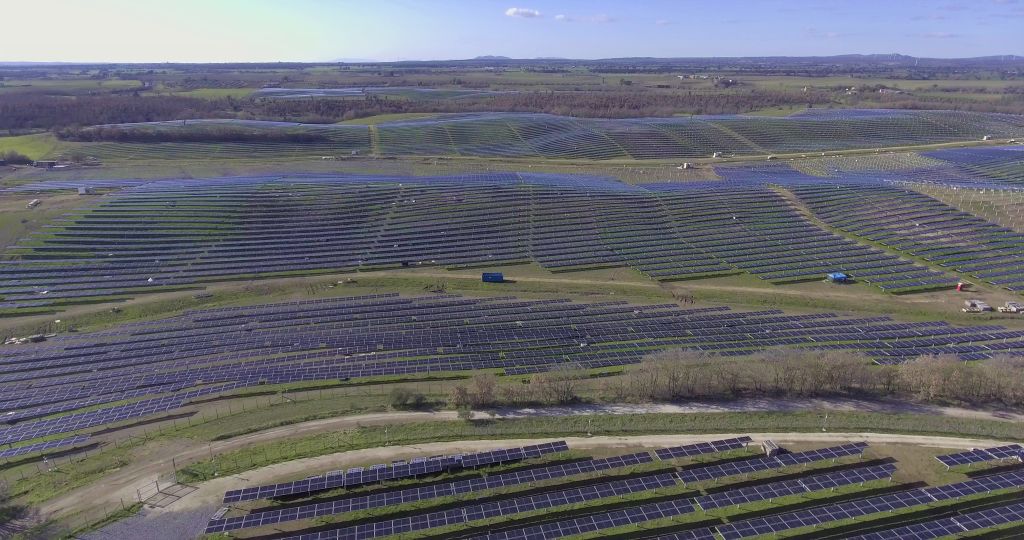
(201, 135)
(679, 375)
(24, 111)
(639, 104)
(14, 158)
(603, 104)
(21, 111)
(1008, 103)
(28, 111)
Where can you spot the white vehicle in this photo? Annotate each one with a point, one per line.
(975, 306)
(1012, 307)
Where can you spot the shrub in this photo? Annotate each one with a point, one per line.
(15, 158)
(403, 398)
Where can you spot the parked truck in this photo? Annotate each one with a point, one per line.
(975, 306)
(1012, 307)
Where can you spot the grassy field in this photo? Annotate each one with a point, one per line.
(36, 146)
(65, 86)
(16, 220)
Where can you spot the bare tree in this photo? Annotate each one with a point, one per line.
(483, 387)
(557, 386)
(458, 397)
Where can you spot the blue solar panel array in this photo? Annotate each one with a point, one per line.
(417, 467)
(595, 522)
(504, 507)
(952, 526)
(56, 444)
(151, 368)
(697, 449)
(443, 489)
(981, 455)
(792, 487)
(733, 468)
(911, 222)
(862, 507)
(219, 228)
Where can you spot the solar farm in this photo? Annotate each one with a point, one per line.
(220, 229)
(207, 353)
(724, 488)
(517, 135)
(800, 321)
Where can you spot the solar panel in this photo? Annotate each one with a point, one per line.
(980, 455)
(734, 468)
(597, 522)
(701, 448)
(377, 500)
(357, 476)
(100, 374)
(43, 446)
(791, 487)
(952, 526)
(862, 507)
(501, 508)
(695, 534)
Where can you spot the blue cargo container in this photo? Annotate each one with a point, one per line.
(493, 277)
(837, 277)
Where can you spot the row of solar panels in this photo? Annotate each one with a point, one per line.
(491, 481)
(741, 529)
(470, 513)
(417, 467)
(981, 455)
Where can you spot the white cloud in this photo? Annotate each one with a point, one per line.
(602, 18)
(525, 13)
(662, 22)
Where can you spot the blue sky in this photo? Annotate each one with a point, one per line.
(326, 30)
